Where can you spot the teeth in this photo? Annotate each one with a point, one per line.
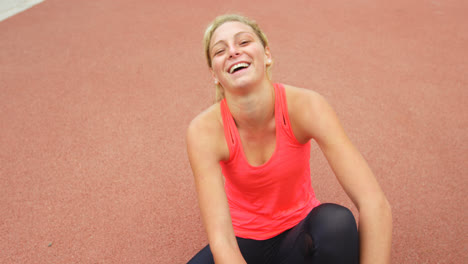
(242, 64)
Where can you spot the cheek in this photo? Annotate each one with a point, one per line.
(216, 65)
(260, 53)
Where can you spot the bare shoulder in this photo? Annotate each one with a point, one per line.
(207, 120)
(300, 97)
(206, 133)
(307, 110)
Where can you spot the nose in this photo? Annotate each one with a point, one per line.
(233, 51)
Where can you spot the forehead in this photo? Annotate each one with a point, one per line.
(229, 30)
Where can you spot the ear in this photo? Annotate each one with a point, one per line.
(268, 57)
(214, 77)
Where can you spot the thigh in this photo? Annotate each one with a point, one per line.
(204, 256)
(327, 235)
(253, 251)
(257, 251)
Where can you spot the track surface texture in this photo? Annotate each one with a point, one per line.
(96, 96)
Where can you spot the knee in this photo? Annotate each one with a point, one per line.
(334, 231)
(335, 218)
(338, 213)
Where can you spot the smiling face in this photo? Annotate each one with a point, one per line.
(237, 55)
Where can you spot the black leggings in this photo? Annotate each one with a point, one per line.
(327, 235)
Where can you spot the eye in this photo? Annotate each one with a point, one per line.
(218, 52)
(244, 42)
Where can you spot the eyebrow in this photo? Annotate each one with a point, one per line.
(235, 35)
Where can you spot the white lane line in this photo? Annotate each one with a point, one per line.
(10, 8)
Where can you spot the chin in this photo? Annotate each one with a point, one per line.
(246, 82)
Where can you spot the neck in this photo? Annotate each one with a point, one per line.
(255, 108)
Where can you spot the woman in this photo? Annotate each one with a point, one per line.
(257, 136)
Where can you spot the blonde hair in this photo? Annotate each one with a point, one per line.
(218, 21)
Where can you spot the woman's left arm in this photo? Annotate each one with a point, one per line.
(317, 120)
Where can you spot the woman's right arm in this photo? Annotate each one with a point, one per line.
(205, 150)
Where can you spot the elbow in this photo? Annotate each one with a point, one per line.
(385, 210)
(379, 205)
(377, 213)
(385, 206)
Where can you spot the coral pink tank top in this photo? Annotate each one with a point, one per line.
(268, 199)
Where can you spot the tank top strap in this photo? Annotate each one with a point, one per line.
(229, 129)
(282, 116)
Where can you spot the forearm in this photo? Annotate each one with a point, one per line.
(227, 253)
(375, 232)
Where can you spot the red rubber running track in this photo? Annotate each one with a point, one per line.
(95, 98)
